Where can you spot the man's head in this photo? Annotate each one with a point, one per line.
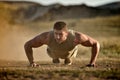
(60, 31)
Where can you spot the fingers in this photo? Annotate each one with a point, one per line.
(90, 65)
(34, 65)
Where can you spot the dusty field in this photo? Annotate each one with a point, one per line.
(105, 69)
(106, 30)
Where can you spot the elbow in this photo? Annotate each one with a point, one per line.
(27, 45)
(97, 44)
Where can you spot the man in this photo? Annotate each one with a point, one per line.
(62, 44)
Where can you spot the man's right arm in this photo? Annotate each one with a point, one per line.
(34, 43)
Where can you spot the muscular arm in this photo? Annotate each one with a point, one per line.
(34, 43)
(89, 42)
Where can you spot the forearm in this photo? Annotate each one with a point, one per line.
(95, 51)
(29, 53)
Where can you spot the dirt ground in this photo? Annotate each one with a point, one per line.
(105, 69)
(105, 29)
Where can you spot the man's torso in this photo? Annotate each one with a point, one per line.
(63, 49)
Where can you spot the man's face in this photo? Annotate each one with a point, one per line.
(60, 35)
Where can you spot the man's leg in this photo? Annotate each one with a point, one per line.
(73, 53)
(56, 61)
(68, 61)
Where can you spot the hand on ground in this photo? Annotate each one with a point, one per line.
(34, 65)
(90, 65)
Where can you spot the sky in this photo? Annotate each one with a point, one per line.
(72, 2)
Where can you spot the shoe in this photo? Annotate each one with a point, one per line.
(56, 61)
(68, 61)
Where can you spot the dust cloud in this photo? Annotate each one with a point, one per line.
(12, 40)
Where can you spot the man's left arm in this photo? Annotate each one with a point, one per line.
(89, 42)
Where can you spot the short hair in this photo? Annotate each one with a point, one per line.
(60, 25)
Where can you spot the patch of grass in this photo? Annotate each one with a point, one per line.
(109, 74)
(111, 49)
(107, 69)
(68, 74)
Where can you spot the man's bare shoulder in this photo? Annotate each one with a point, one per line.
(81, 38)
(80, 35)
(41, 38)
(45, 34)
